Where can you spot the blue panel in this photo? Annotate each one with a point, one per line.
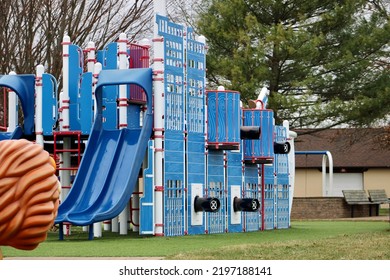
(24, 87)
(269, 196)
(267, 133)
(216, 222)
(133, 116)
(85, 103)
(233, 116)
(281, 160)
(16, 134)
(212, 132)
(282, 181)
(174, 77)
(234, 177)
(110, 111)
(174, 187)
(234, 167)
(282, 204)
(221, 118)
(269, 174)
(263, 148)
(174, 145)
(49, 104)
(251, 173)
(109, 60)
(76, 61)
(109, 56)
(196, 76)
(196, 159)
(196, 170)
(100, 56)
(196, 64)
(215, 166)
(174, 210)
(167, 28)
(195, 114)
(173, 72)
(269, 206)
(147, 198)
(252, 220)
(110, 114)
(224, 119)
(174, 156)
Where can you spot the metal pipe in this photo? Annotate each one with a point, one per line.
(327, 188)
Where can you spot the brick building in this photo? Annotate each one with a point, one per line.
(361, 160)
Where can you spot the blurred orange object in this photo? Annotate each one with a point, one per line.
(29, 194)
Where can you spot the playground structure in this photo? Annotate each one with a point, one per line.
(149, 149)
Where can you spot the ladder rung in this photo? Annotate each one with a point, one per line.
(66, 150)
(67, 168)
(74, 151)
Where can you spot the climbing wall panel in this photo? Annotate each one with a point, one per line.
(252, 220)
(216, 222)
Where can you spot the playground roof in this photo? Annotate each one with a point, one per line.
(351, 148)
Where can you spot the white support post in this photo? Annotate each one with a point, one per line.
(122, 104)
(13, 111)
(91, 60)
(115, 224)
(107, 225)
(65, 177)
(96, 71)
(97, 230)
(65, 83)
(60, 105)
(96, 68)
(159, 111)
(38, 105)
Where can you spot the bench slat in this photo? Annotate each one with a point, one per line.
(378, 196)
(356, 197)
(359, 197)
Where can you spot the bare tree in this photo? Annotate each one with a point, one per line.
(185, 12)
(31, 31)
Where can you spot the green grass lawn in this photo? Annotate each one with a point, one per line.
(304, 240)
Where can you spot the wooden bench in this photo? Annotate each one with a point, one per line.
(380, 197)
(358, 197)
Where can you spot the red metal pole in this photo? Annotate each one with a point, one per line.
(262, 197)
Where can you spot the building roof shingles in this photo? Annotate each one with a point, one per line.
(350, 148)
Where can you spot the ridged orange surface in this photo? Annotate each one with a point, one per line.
(29, 194)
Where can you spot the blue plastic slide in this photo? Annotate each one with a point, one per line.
(24, 87)
(110, 166)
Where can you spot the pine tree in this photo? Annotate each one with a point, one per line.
(325, 62)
